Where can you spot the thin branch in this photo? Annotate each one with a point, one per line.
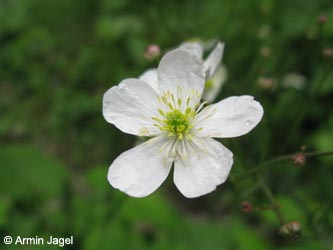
(278, 159)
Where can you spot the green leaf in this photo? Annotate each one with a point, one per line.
(27, 171)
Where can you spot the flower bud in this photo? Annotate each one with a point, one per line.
(290, 230)
(299, 159)
(152, 52)
(265, 51)
(246, 207)
(328, 52)
(322, 19)
(265, 82)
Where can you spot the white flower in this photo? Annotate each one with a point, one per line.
(213, 60)
(180, 127)
(214, 84)
(215, 74)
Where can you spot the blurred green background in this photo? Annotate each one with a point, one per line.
(58, 57)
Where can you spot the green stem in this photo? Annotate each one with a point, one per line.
(269, 194)
(278, 159)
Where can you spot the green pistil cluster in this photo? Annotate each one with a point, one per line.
(176, 123)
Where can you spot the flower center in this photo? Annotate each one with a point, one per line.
(176, 123)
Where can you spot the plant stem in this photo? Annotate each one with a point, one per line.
(278, 159)
(269, 194)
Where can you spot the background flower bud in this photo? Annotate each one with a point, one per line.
(265, 82)
(299, 159)
(246, 207)
(322, 19)
(265, 51)
(152, 52)
(328, 52)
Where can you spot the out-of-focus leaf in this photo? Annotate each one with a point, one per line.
(5, 205)
(27, 172)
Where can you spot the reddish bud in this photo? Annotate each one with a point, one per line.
(328, 52)
(153, 51)
(246, 207)
(303, 148)
(265, 52)
(266, 82)
(322, 19)
(291, 230)
(299, 159)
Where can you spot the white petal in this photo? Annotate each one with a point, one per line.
(182, 74)
(141, 170)
(195, 48)
(204, 169)
(214, 84)
(214, 60)
(150, 77)
(130, 106)
(231, 117)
